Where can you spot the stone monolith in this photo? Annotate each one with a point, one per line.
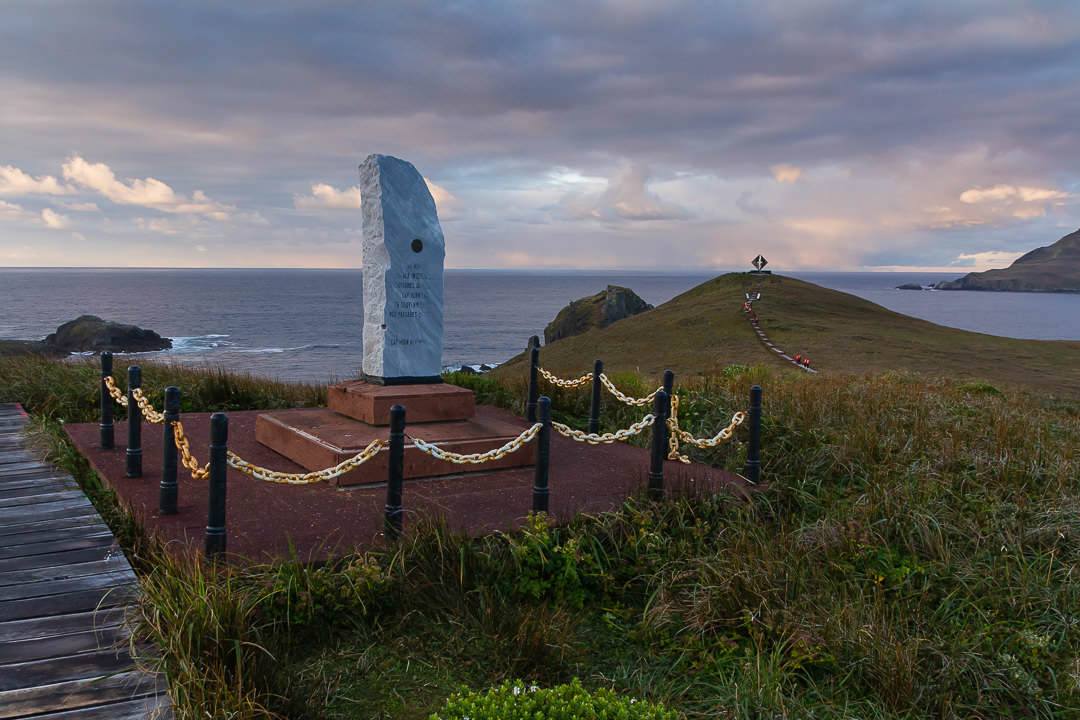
(403, 253)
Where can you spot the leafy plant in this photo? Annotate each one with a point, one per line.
(518, 701)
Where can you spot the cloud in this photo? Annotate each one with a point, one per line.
(53, 219)
(78, 237)
(626, 198)
(325, 196)
(149, 192)
(987, 260)
(14, 181)
(11, 211)
(1006, 192)
(80, 206)
(785, 173)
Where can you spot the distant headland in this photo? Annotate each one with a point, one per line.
(1055, 268)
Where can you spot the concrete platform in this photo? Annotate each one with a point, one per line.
(268, 521)
(317, 438)
(371, 403)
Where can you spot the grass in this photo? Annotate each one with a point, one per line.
(915, 556)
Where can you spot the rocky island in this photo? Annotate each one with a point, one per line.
(1055, 268)
(89, 333)
(595, 311)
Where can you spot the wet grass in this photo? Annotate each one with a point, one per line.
(915, 555)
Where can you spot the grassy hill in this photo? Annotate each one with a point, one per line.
(705, 329)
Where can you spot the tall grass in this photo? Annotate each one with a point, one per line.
(915, 554)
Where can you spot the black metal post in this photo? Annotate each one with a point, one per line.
(752, 469)
(107, 437)
(134, 415)
(167, 491)
(543, 457)
(396, 473)
(219, 467)
(661, 408)
(594, 412)
(534, 364)
(669, 388)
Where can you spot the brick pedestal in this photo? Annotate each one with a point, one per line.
(371, 403)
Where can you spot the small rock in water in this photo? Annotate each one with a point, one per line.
(91, 333)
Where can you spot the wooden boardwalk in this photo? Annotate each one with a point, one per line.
(64, 588)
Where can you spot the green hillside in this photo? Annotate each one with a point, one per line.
(705, 329)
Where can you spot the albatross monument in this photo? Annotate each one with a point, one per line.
(403, 253)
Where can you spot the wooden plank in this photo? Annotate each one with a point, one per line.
(157, 708)
(44, 589)
(72, 602)
(61, 524)
(25, 498)
(77, 693)
(32, 491)
(15, 478)
(61, 645)
(71, 624)
(9, 513)
(100, 551)
(111, 563)
(96, 663)
(35, 543)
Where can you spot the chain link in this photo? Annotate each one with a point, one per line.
(626, 399)
(260, 473)
(477, 458)
(149, 413)
(554, 380)
(587, 377)
(188, 460)
(606, 438)
(677, 433)
(117, 395)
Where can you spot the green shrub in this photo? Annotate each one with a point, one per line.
(518, 701)
(549, 569)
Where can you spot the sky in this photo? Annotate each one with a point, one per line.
(937, 135)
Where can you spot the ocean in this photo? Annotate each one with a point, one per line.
(306, 324)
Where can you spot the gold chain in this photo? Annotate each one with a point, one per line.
(347, 465)
(477, 458)
(606, 438)
(189, 461)
(626, 398)
(117, 395)
(576, 382)
(587, 377)
(149, 413)
(677, 433)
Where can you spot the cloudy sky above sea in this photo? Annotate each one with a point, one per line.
(629, 134)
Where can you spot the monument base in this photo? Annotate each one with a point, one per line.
(371, 403)
(317, 438)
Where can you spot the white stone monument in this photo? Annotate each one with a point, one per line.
(403, 253)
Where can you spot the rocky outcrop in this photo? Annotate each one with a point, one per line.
(909, 286)
(91, 333)
(1055, 268)
(595, 311)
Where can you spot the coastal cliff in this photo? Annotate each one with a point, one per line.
(1055, 268)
